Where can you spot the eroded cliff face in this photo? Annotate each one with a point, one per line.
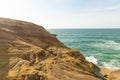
(29, 52)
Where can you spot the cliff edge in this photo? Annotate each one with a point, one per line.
(29, 52)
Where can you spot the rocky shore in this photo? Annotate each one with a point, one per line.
(29, 52)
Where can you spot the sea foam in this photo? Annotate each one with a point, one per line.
(92, 59)
(114, 64)
(107, 44)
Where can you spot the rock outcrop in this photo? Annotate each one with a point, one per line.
(29, 52)
(111, 74)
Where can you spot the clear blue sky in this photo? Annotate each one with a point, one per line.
(64, 13)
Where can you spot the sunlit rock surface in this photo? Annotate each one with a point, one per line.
(29, 52)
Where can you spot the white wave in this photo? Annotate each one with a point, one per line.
(107, 45)
(114, 64)
(92, 59)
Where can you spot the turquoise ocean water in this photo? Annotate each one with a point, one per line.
(100, 46)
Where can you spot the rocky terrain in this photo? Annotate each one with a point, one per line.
(29, 52)
(111, 74)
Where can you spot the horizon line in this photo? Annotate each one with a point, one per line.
(84, 28)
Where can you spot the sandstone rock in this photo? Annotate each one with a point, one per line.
(111, 74)
(29, 52)
(114, 75)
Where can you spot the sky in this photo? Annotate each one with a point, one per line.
(64, 13)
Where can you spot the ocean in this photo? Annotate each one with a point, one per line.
(100, 46)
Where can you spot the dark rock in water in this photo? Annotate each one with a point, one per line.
(29, 52)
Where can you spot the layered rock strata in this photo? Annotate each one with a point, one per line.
(29, 52)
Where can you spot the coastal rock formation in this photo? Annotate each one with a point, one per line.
(29, 52)
(111, 74)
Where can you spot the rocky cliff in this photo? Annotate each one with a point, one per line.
(29, 52)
